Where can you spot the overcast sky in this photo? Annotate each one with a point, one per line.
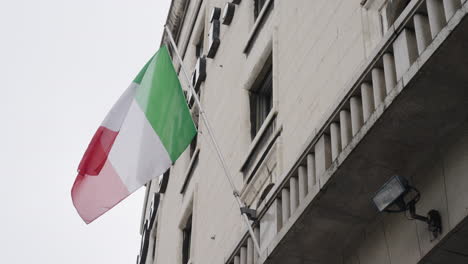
(63, 63)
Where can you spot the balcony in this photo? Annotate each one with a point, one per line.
(406, 99)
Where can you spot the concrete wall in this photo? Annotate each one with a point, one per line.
(316, 47)
(320, 44)
(443, 182)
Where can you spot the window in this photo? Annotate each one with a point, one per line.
(193, 146)
(377, 17)
(199, 76)
(153, 254)
(195, 117)
(187, 240)
(261, 98)
(264, 194)
(200, 44)
(391, 11)
(258, 5)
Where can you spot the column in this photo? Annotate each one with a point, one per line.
(367, 95)
(250, 251)
(285, 203)
(423, 32)
(378, 83)
(257, 236)
(345, 128)
(322, 156)
(335, 137)
(450, 7)
(405, 51)
(435, 12)
(389, 72)
(302, 176)
(279, 214)
(356, 114)
(311, 177)
(243, 255)
(294, 194)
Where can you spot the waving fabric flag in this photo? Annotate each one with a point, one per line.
(146, 130)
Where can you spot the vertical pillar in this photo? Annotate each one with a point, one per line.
(435, 12)
(257, 236)
(335, 138)
(389, 72)
(356, 114)
(279, 214)
(311, 177)
(322, 155)
(243, 255)
(378, 83)
(450, 7)
(367, 95)
(405, 51)
(285, 203)
(236, 260)
(345, 128)
(302, 176)
(422, 30)
(294, 194)
(250, 251)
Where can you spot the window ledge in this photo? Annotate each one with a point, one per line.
(271, 116)
(189, 172)
(251, 181)
(258, 22)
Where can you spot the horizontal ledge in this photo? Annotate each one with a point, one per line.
(189, 171)
(253, 146)
(261, 17)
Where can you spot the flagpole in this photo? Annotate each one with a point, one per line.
(215, 143)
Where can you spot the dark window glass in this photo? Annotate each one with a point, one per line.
(154, 245)
(193, 146)
(199, 46)
(394, 10)
(258, 7)
(195, 117)
(187, 240)
(261, 98)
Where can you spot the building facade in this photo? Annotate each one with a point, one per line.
(316, 104)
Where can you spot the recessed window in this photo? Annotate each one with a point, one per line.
(264, 194)
(261, 98)
(391, 11)
(195, 117)
(199, 76)
(187, 240)
(258, 5)
(200, 44)
(193, 145)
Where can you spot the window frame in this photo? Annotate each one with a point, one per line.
(258, 7)
(187, 239)
(200, 44)
(390, 11)
(258, 21)
(261, 98)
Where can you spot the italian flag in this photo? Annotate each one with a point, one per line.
(144, 133)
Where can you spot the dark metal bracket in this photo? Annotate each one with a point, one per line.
(250, 213)
(433, 219)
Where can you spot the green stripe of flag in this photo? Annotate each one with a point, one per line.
(142, 72)
(161, 98)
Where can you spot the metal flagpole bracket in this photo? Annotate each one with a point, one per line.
(215, 144)
(251, 213)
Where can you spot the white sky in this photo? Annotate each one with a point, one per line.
(63, 64)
